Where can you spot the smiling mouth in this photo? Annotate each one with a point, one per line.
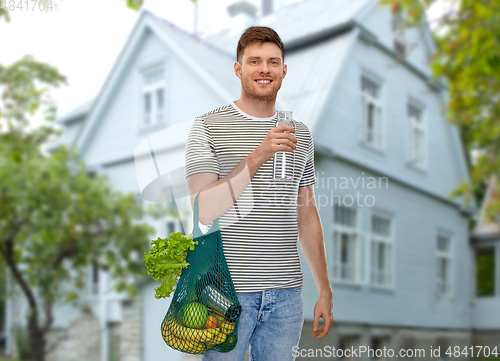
(264, 81)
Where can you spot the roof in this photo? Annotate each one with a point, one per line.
(77, 113)
(301, 21)
(214, 60)
(307, 85)
(210, 52)
(485, 227)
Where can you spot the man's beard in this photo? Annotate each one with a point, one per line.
(252, 92)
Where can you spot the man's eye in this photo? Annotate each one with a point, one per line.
(253, 61)
(275, 62)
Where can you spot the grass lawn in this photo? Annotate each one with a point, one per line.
(7, 359)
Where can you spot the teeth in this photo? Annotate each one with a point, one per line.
(263, 81)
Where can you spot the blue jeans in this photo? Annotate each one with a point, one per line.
(271, 321)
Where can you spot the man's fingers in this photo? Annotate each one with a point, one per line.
(328, 324)
(315, 323)
(323, 331)
(284, 128)
(287, 128)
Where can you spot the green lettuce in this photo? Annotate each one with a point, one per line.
(166, 259)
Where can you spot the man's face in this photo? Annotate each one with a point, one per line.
(261, 70)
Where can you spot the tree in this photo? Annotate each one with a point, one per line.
(468, 56)
(55, 218)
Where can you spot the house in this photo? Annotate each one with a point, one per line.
(400, 258)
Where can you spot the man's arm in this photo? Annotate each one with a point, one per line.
(313, 247)
(215, 199)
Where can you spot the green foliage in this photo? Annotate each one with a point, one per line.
(135, 4)
(4, 14)
(166, 259)
(21, 341)
(468, 56)
(56, 219)
(485, 275)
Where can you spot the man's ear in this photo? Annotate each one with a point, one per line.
(237, 69)
(284, 70)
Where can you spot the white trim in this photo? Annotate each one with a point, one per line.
(355, 241)
(152, 89)
(378, 139)
(450, 255)
(422, 127)
(388, 241)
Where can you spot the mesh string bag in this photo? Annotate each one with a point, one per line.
(204, 311)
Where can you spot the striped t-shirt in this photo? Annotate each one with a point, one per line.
(259, 232)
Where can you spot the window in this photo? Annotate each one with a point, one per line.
(485, 272)
(376, 351)
(443, 343)
(417, 136)
(371, 111)
(153, 96)
(347, 343)
(174, 225)
(407, 348)
(345, 244)
(170, 227)
(443, 265)
(398, 31)
(93, 279)
(380, 251)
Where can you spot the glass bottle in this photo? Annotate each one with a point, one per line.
(284, 161)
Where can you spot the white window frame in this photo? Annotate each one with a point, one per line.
(417, 158)
(152, 89)
(375, 239)
(374, 136)
(449, 255)
(356, 240)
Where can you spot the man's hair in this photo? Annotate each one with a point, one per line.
(263, 34)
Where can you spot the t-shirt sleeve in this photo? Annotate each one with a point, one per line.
(199, 153)
(309, 177)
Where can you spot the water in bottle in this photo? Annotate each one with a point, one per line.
(284, 161)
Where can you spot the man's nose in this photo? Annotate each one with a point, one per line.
(264, 68)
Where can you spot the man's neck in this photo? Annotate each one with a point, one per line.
(257, 108)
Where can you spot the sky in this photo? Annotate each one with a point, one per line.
(83, 38)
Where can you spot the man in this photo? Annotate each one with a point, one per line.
(229, 164)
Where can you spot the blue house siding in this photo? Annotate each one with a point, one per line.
(341, 128)
(377, 20)
(416, 220)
